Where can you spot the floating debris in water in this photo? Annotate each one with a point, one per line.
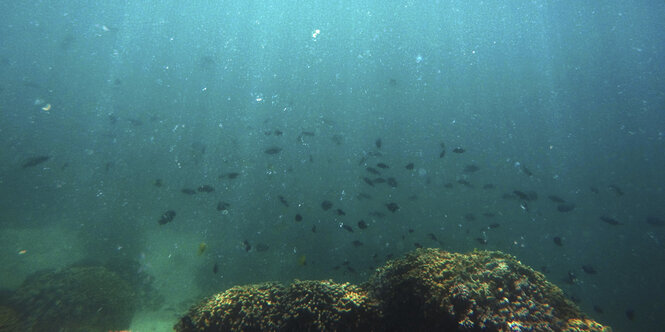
(459, 150)
(589, 269)
(188, 191)
(272, 150)
(326, 205)
(362, 224)
(34, 161)
(471, 168)
(298, 218)
(382, 165)
(565, 207)
(205, 189)
(167, 217)
(392, 207)
(610, 220)
(409, 166)
(557, 240)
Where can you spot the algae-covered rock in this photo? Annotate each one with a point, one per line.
(75, 299)
(427, 290)
(301, 306)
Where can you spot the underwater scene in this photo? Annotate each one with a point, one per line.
(332, 165)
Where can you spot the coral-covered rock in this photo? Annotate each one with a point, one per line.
(75, 299)
(427, 290)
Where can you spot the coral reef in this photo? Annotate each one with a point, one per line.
(427, 290)
(75, 299)
(301, 306)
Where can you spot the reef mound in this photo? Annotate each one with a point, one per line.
(426, 290)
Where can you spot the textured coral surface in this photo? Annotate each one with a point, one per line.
(427, 290)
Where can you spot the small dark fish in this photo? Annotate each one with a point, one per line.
(135, 122)
(598, 309)
(448, 185)
(232, 175)
(557, 240)
(471, 168)
(368, 181)
(357, 243)
(34, 161)
(630, 314)
(409, 166)
(616, 190)
(167, 217)
(589, 269)
(382, 165)
(157, 182)
(283, 200)
(572, 278)
(494, 225)
(338, 139)
(458, 150)
(654, 221)
(465, 183)
(373, 170)
(379, 180)
(362, 196)
(188, 191)
(489, 215)
(221, 206)
(298, 218)
(526, 171)
(392, 182)
(411, 230)
(610, 220)
(378, 143)
(341, 212)
(417, 245)
(307, 133)
(215, 268)
(248, 247)
(262, 247)
(433, 237)
(278, 132)
(326, 205)
(556, 199)
(521, 195)
(565, 207)
(205, 189)
(488, 186)
(362, 224)
(481, 240)
(469, 217)
(348, 228)
(377, 214)
(392, 207)
(314, 229)
(442, 154)
(273, 150)
(594, 190)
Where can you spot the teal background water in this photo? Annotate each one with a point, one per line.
(186, 92)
